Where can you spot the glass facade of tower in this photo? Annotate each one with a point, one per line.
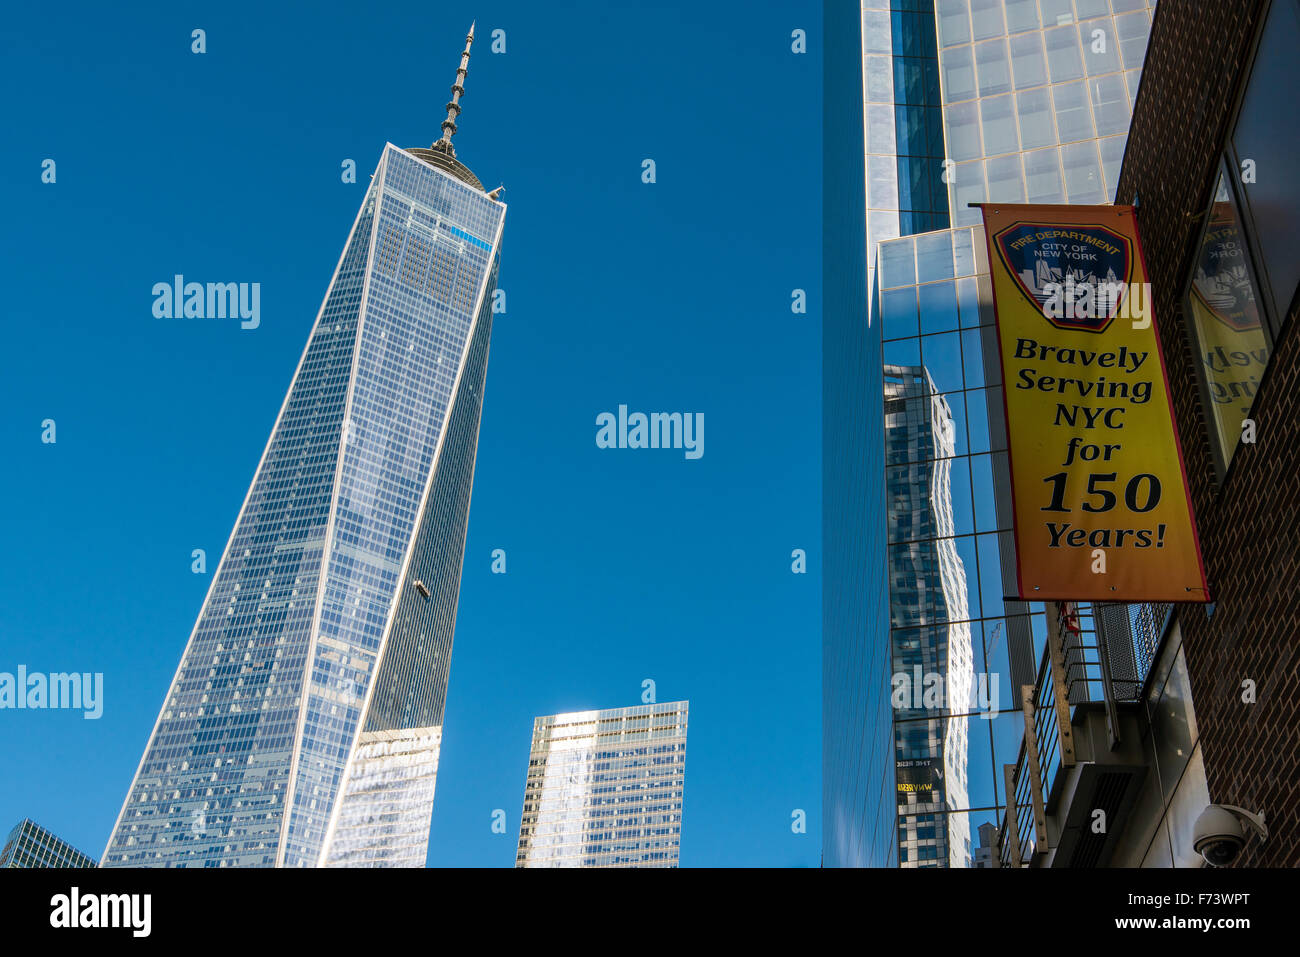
(955, 672)
(857, 738)
(605, 788)
(30, 845)
(318, 664)
(904, 121)
(1037, 96)
(1034, 98)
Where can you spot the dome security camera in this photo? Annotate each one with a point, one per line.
(1219, 836)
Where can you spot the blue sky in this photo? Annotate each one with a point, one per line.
(674, 296)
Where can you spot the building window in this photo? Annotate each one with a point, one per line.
(1227, 321)
(1264, 147)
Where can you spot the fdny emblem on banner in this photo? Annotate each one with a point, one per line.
(1076, 276)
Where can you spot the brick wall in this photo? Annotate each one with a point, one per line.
(1249, 528)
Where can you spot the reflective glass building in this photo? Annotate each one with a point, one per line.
(858, 811)
(1034, 98)
(605, 788)
(945, 522)
(906, 187)
(30, 845)
(1036, 103)
(303, 725)
(1037, 96)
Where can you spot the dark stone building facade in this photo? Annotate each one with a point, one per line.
(1214, 133)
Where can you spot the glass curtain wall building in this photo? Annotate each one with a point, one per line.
(303, 725)
(605, 788)
(906, 191)
(857, 736)
(30, 845)
(1035, 98)
(947, 611)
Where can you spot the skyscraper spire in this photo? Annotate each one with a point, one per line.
(441, 153)
(457, 91)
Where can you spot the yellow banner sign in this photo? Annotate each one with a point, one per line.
(1098, 486)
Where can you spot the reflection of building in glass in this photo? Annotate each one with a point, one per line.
(303, 725)
(929, 617)
(605, 788)
(936, 303)
(30, 845)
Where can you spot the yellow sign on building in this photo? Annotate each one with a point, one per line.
(1099, 489)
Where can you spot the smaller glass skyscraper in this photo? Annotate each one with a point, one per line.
(30, 845)
(605, 788)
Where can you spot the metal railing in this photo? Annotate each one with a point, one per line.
(1105, 655)
(1149, 624)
